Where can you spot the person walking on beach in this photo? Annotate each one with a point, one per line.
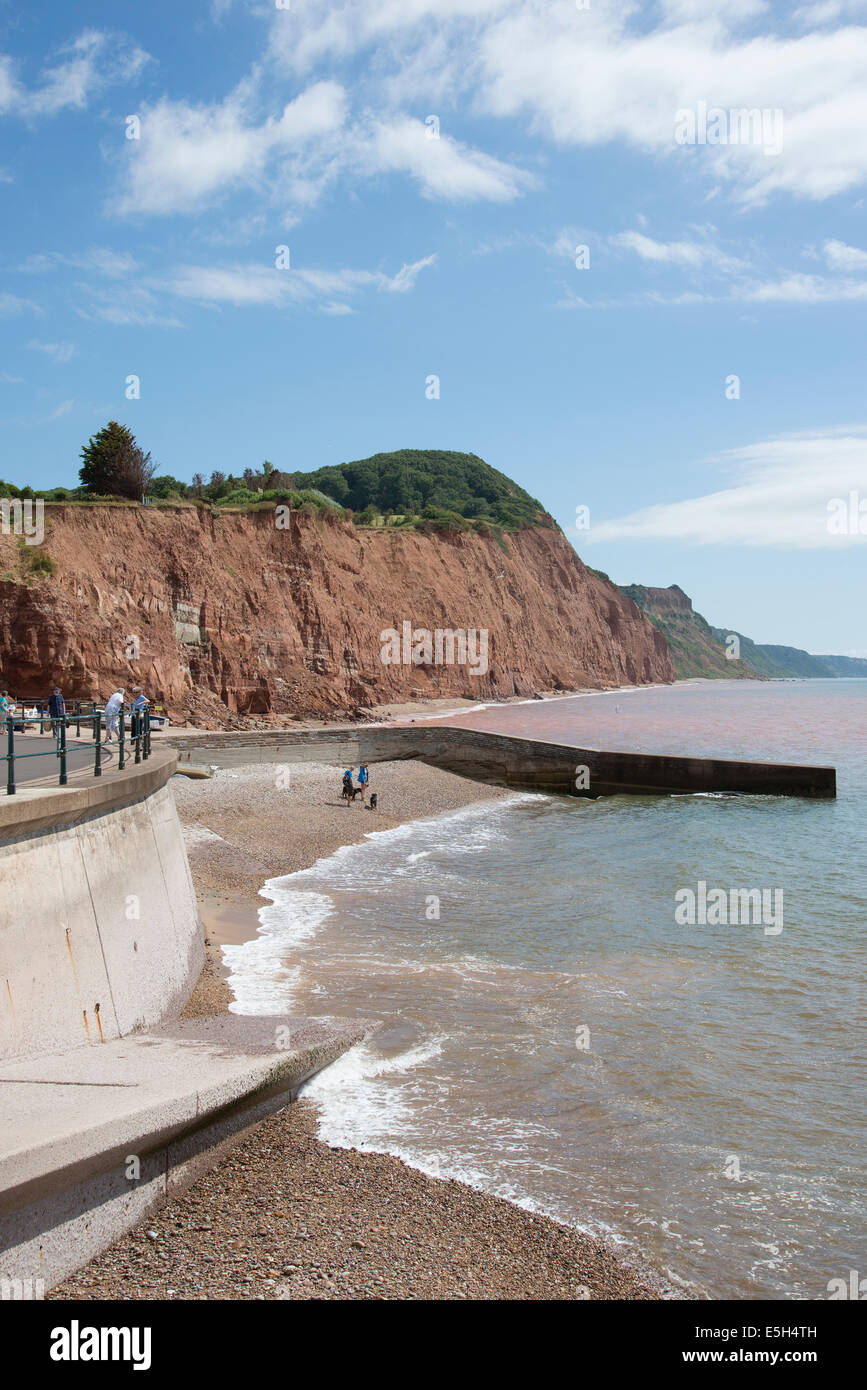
(363, 779)
(56, 712)
(112, 714)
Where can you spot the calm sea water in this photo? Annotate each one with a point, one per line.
(693, 1093)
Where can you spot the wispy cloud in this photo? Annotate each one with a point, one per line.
(716, 276)
(805, 289)
(702, 254)
(95, 60)
(255, 284)
(127, 304)
(59, 352)
(100, 259)
(785, 494)
(12, 304)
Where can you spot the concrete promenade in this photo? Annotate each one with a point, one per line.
(93, 1138)
(109, 1104)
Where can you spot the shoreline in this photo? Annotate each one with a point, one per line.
(283, 1198)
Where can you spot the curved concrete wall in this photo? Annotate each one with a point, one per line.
(99, 927)
(504, 760)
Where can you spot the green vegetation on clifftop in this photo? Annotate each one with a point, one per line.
(427, 484)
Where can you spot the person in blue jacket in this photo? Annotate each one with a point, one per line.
(56, 712)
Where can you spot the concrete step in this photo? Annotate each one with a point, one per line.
(95, 1137)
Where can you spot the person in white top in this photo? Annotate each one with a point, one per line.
(112, 714)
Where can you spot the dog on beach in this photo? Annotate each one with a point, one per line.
(349, 793)
(373, 801)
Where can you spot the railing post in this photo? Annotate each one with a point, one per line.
(41, 718)
(10, 755)
(63, 750)
(94, 720)
(97, 751)
(121, 762)
(78, 719)
(136, 734)
(147, 733)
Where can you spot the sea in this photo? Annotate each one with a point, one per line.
(555, 1030)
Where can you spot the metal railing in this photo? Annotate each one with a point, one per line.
(135, 736)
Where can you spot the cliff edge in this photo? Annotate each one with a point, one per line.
(225, 615)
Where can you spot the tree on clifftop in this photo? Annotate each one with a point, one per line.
(114, 465)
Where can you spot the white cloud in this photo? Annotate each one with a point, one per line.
(839, 256)
(615, 72)
(696, 254)
(443, 167)
(62, 409)
(256, 284)
(99, 258)
(828, 11)
(784, 495)
(11, 304)
(127, 303)
(188, 156)
(678, 252)
(58, 352)
(805, 289)
(700, 258)
(93, 61)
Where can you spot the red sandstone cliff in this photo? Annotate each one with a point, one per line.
(224, 615)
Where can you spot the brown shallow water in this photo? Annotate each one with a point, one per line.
(551, 1031)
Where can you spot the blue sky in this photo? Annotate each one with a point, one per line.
(416, 251)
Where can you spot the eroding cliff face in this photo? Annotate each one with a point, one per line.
(225, 616)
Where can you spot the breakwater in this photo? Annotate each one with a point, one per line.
(524, 764)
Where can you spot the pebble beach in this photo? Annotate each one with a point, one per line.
(283, 1215)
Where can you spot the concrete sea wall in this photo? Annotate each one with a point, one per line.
(110, 1104)
(99, 926)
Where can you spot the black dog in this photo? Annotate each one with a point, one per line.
(349, 792)
(373, 801)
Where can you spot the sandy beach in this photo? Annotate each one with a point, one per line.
(284, 1216)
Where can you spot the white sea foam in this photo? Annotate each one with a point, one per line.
(261, 977)
(358, 1109)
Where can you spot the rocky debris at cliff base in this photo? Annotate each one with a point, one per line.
(284, 1216)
